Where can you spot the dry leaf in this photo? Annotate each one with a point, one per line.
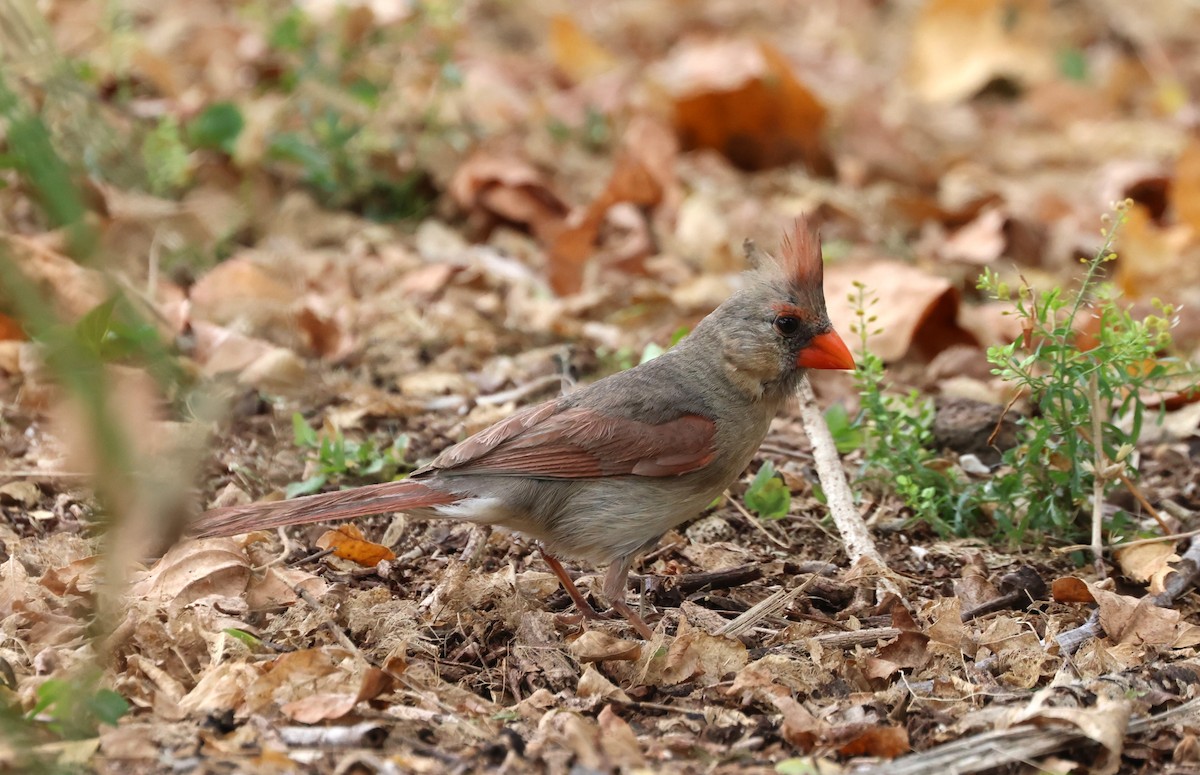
(575, 53)
(886, 742)
(917, 311)
(1139, 621)
(1148, 562)
(193, 570)
(500, 184)
(958, 46)
(347, 542)
(1105, 723)
(593, 684)
(743, 99)
(1070, 590)
(597, 646)
(643, 174)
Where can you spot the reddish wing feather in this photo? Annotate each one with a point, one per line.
(576, 443)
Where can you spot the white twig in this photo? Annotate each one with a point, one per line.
(855, 536)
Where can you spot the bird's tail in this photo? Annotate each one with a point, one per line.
(345, 504)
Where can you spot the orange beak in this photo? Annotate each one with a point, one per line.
(826, 351)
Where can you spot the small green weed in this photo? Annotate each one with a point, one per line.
(336, 457)
(897, 435)
(1088, 395)
(768, 496)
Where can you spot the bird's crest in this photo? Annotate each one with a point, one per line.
(800, 254)
(799, 261)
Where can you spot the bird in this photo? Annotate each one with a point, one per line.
(601, 473)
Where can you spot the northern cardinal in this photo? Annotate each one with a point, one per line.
(602, 473)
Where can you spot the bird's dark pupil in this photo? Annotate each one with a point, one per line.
(786, 325)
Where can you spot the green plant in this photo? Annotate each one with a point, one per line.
(1084, 361)
(897, 438)
(1087, 391)
(333, 456)
(768, 496)
(333, 139)
(165, 157)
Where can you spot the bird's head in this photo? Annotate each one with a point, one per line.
(775, 328)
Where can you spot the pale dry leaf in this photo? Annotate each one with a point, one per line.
(958, 46)
(1155, 260)
(575, 53)
(593, 684)
(239, 292)
(277, 587)
(798, 727)
(619, 742)
(1185, 187)
(980, 243)
(1105, 723)
(221, 688)
(743, 99)
(1137, 620)
(598, 646)
(696, 655)
(193, 570)
(916, 311)
(1149, 563)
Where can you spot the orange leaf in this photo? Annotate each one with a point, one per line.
(743, 99)
(1070, 590)
(348, 543)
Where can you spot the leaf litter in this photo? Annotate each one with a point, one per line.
(590, 197)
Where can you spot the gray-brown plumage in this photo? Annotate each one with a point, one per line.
(600, 474)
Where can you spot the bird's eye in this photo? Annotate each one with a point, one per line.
(787, 325)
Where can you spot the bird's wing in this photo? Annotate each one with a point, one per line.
(551, 441)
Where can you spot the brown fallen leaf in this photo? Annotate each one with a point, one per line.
(743, 99)
(593, 684)
(643, 175)
(799, 727)
(193, 570)
(619, 742)
(1070, 590)
(917, 311)
(314, 708)
(886, 742)
(348, 542)
(500, 184)
(696, 655)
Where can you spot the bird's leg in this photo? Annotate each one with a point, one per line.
(614, 589)
(584, 607)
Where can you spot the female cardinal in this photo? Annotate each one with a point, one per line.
(601, 473)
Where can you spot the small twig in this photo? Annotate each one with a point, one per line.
(769, 607)
(716, 579)
(855, 536)
(850, 638)
(1127, 544)
(1004, 413)
(520, 391)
